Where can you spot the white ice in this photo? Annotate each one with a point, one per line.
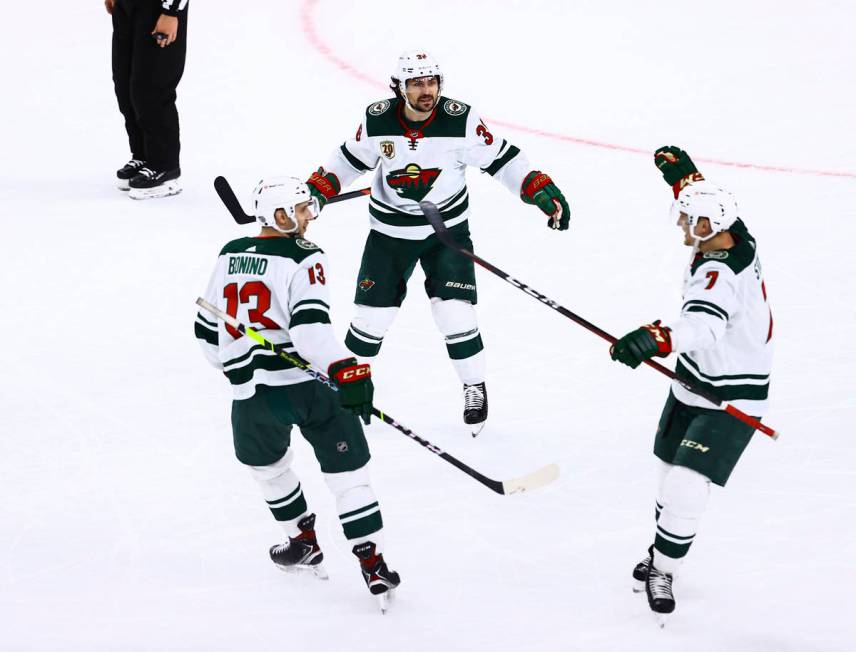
(127, 524)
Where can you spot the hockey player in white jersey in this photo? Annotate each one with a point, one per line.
(420, 143)
(723, 342)
(276, 282)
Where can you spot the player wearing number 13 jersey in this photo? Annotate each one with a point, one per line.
(276, 283)
(419, 145)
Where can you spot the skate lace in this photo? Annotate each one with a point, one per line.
(661, 584)
(473, 397)
(282, 547)
(147, 172)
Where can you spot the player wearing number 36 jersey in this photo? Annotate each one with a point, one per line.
(419, 145)
(276, 283)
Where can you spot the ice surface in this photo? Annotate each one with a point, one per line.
(125, 521)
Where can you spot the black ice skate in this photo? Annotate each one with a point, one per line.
(301, 552)
(149, 183)
(658, 587)
(475, 407)
(640, 574)
(127, 172)
(380, 580)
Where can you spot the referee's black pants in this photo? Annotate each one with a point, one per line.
(145, 77)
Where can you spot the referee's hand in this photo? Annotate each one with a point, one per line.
(108, 4)
(166, 25)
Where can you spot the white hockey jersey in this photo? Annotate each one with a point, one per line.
(724, 335)
(277, 286)
(428, 160)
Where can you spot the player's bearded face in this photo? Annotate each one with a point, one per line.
(422, 93)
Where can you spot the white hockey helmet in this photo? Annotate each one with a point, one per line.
(281, 192)
(704, 199)
(413, 64)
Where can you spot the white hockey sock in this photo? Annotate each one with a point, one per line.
(368, 328)
(683, 497)
(456, 320)
(357, 505)
(283, 494)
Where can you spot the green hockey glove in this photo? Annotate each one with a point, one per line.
(677, 167)
(643, 343)
(538, 188)
(323, 186)
(356, 389)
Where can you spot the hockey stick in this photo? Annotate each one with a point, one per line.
(543, 476)
(436, 220)
(227, 196)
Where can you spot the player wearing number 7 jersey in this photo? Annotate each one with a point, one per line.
(723, 341)
(276, 282)
(419, 145)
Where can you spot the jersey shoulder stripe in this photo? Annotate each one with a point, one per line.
(738, 258)
(296, 249)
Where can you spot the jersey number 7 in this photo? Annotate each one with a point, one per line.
(256, 315)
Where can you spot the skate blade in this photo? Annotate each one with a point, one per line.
(384, 600)
(661, 619)
(317, 570)
(123, 184)
(166, 189)
(638, 586)
(476, 428)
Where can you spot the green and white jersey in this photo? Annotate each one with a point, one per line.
(428, 160)
(277, 286)
(724, 335)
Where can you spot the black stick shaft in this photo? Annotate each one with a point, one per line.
(432, 214)
(230, 200)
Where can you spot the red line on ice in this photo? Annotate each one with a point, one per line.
(307, 20)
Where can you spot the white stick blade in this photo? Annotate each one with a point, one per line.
(540, 478)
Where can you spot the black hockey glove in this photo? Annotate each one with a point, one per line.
(356, 389)
(643, 343)
(677, 167)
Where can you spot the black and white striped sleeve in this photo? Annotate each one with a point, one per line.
(172, 7)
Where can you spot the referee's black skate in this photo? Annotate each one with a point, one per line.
(125, 173)
(149, 183)
(475, 407)
(658, 587)
(379, 579)
(640, 574)
(301, 552)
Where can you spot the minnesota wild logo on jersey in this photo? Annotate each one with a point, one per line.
(412, 182)
(413, 161)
